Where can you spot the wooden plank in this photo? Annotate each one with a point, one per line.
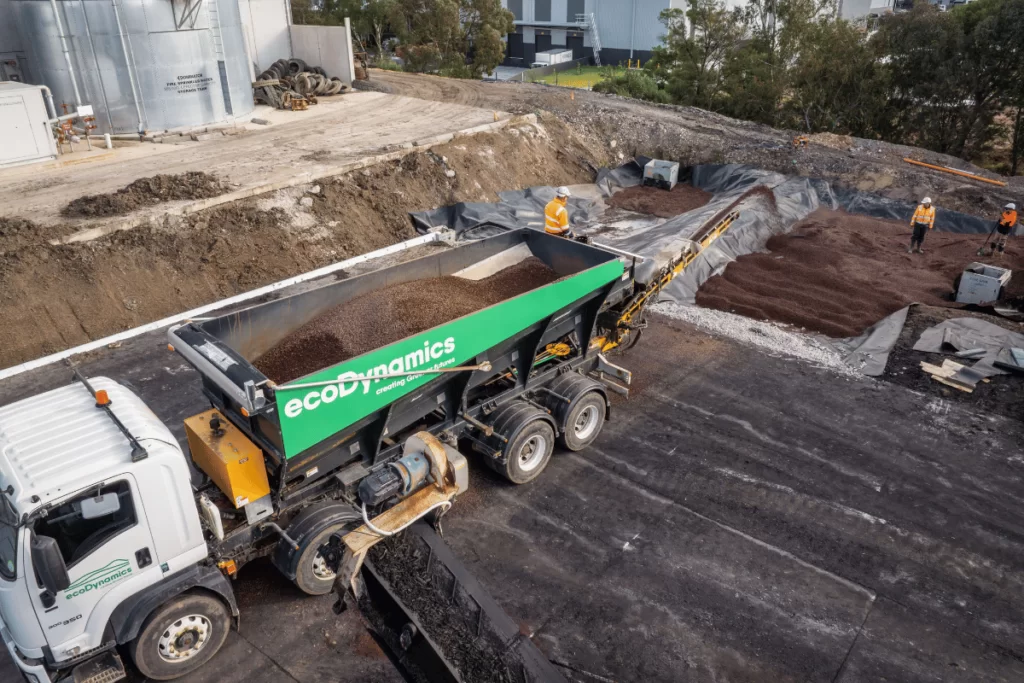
(936, 370)
(952, 384)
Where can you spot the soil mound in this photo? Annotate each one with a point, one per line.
(393, 313)
(658, 202)
(145, 192)
(837, 273)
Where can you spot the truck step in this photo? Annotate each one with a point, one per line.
(439, 623)
(106, 668)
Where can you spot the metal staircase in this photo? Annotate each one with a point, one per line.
(585, 22)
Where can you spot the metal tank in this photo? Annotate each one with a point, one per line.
(142, 64)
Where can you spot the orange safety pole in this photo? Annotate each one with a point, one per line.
(965, 174)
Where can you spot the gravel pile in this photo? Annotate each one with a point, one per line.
(392, 313)
(769, 336)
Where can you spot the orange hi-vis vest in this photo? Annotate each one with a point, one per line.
(924, 215)
(1009, 218)
(556, 217)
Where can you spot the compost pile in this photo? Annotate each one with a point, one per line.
(146, 192)
(392, 313)
(838, 273)
(658, 202)
(291, 81)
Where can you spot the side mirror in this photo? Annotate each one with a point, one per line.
(49, 564)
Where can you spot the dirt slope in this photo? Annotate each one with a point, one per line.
(837, 273)
(617, 128)
(55, 297)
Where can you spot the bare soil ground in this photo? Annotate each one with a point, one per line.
(55, 297)
(658, 202)
(145, 192)
(838, 273)
(615, 128)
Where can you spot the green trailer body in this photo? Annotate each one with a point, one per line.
(340, 431)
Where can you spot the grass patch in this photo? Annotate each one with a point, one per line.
(582, 77)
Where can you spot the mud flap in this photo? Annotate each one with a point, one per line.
(438, 622)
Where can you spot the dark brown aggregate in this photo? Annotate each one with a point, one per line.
(393, 313)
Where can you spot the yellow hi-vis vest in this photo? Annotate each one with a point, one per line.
(556, 217)
(924, 215)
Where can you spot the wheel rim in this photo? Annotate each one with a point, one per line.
(531, 454)
(586, 422)
(185, 638)
(320, 568)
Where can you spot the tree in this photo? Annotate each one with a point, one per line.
(694, 53)
(836, 83)
(450, 30)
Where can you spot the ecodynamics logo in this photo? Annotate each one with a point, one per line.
(114, 571)
(433, 356)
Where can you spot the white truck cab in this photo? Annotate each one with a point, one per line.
(98, 532)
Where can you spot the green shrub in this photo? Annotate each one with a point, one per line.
(637, 84)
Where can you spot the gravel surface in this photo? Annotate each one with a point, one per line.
(769, 336)
(393, 313)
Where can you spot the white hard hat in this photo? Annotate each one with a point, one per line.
(1011, 206)
(926, 200)
(563, 192)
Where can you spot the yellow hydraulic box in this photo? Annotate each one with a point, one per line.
(233, 461)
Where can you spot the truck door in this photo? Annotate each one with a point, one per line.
(105, 540)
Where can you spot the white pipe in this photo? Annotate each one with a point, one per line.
(632, 32)
(196, 312)
(128, 63)
(48, 96)
(106, 140)
(67, 55)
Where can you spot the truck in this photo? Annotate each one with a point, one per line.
(552, 57)
(114, 541)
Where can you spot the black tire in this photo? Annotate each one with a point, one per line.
(584, 421)
(175, 628)
(312, 576)
(529, 452)
(531, 441)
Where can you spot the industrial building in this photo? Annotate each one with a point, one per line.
(617, 30)
(152, 65)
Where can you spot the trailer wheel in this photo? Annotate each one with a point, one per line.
(528, 452)
(313, 574)
(181, 636)
(584, 421)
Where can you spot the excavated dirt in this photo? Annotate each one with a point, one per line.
(145, 192)
(17, 233)
(658, 202)
(392, 313)
(55, 297)
(1002, 395)
(403, 563)
(837, 273)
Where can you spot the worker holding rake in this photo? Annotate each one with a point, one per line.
(922, 221)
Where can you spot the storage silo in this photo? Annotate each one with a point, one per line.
(142, 64)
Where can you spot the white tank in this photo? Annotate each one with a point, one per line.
(142, 64)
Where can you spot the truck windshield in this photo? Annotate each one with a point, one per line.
(8, 538)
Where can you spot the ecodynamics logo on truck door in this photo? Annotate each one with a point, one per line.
(309, 416)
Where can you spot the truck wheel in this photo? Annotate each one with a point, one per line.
(313, 574)
(181, 636)
(584, 421)
(529, 452)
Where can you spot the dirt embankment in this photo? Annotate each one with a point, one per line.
(658, 202)
(838, 273)
(55, 297)
(145, 192)
(393, 313)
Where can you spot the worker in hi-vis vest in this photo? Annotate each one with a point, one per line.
(556, 215)
(1005, 225)
(922, 221)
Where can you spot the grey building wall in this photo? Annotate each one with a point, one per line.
(627, 28)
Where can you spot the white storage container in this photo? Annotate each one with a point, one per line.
(24, 121)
